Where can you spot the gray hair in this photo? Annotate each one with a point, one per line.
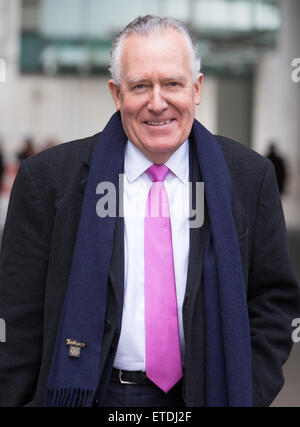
(145, 25)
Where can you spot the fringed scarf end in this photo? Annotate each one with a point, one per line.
(69, 397)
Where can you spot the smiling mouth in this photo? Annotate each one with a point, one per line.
(163, 123)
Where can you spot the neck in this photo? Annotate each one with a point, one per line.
(158, 158)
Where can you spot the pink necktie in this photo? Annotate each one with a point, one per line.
(163, 358)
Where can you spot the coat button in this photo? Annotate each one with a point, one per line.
(107, 325)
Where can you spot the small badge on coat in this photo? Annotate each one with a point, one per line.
(75, 347)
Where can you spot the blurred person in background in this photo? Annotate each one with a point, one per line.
(279, 165)
(50, 142)
(152, 310)
(27, 149)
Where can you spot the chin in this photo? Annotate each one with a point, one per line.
(160, 155)
(162, 147)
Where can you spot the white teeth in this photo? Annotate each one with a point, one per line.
(159, 123)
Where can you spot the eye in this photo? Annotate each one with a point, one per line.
(173, 84)
(140, 87)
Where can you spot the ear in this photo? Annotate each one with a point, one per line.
(115, 93)
(198, 89)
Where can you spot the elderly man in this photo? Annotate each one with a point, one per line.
(108, 309)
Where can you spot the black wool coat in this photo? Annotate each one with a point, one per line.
(36, 256)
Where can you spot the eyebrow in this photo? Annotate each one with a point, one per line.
(170, 77)
(176, 76)
(136, 80)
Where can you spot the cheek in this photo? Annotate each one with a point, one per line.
(131, 107)
(187, 113)
(184, 104)
(191, 107)
(129, 116)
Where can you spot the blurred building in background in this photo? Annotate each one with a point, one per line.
(53, 77)
(56, 54)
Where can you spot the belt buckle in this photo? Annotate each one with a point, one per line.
(122, 381)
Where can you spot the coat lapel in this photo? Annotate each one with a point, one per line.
(193, 309)
(198, 237)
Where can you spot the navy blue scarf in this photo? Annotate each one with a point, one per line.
(74, 381)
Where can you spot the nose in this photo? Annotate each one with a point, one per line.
(157, 102)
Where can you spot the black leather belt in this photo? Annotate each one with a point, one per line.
(129, 377)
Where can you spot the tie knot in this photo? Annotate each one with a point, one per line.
(157, 172)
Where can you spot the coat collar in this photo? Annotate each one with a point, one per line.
(112, 140)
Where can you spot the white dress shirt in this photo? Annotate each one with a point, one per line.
(131, 347)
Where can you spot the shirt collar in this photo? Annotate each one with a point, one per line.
(135, 163)
(178, 163)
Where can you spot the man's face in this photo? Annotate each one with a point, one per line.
(157, 95)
